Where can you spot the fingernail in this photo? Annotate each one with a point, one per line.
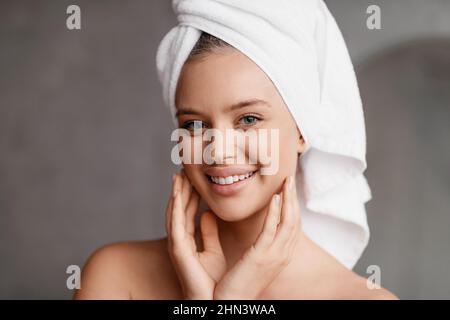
(291, 182)
(277, 199)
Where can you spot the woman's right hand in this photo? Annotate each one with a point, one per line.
(198, 272)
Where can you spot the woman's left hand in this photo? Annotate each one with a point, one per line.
(271, 252)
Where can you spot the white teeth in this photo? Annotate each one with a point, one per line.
(231, 179)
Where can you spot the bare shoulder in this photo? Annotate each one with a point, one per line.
(333, 281)
(129, 270)
(355, 287)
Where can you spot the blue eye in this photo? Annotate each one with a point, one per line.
(193, 125)
(249, 120)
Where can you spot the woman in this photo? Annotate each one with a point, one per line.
(252, 241)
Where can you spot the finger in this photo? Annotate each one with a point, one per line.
(296, 209)
(175, 187)
(292, 241)
(270, 224)
(286, 226)
(191, 210)
(281, 205)
(210, 233)
(186, 188)
(178, 226)
(296, 204)
(170, 207)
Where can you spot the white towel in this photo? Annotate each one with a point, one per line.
(298, 44)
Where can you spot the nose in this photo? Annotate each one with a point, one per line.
(223, 147)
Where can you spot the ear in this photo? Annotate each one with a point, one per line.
(301, 145)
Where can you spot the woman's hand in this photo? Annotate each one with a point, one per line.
(202, 274)
(271, 252)
(198, 272)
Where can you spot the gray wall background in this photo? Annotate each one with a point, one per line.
(84, 137)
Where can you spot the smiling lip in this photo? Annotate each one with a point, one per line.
(233, 188)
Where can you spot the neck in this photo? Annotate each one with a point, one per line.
(237, 236)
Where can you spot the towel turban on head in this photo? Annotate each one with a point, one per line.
(298, 44)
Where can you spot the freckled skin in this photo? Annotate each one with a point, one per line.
(144, 270)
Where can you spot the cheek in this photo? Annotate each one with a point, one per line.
(288, 158)
(279, 155)
(191, 149)
(195, 176)
(288, 150)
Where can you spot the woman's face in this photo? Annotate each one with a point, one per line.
(209, 96)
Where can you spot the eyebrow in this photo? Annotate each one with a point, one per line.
(238, 105)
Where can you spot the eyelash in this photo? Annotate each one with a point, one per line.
(257, 119)
(252, 116)
(188, 123)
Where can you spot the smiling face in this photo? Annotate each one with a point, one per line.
(226, 90)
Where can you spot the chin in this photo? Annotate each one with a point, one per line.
(231, 210)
